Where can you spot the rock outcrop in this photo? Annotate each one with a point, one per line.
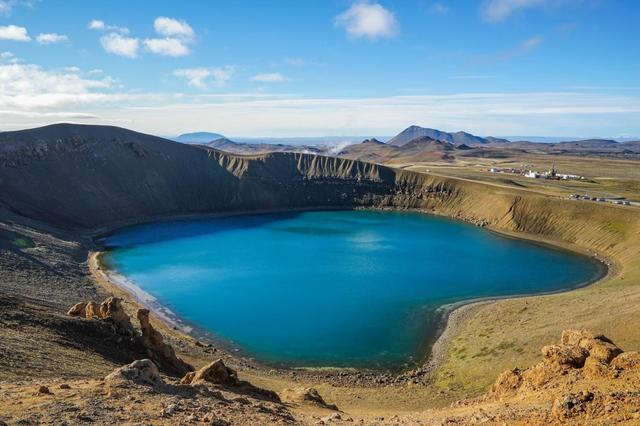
(215, 372)
(581, 357)
(110, 310)
(142, 371)
(626, 361)
(305, 396)
(159, 351)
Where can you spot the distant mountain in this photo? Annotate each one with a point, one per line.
(422, 148)
(198, 137)
(425, 143)
(227, 145)
(457, 138)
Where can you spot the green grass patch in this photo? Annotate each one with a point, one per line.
(23, 243)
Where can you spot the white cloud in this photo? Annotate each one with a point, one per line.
(171, 27)
(120, 45)
(14, 33)
(222, 74)
(30, 87)
(35, 92)
(8, 57)
(558, 113)
(203, 77)
(98, 25)
(368, 20)
(95, 71)
(195, 76)
(500, 10)
(176, 35)
(273, 77)
(51, 38)
(7, 5)
(167, 46)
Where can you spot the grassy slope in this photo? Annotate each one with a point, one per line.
(509, 333)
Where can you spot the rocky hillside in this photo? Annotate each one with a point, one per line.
(422, 148)
(585, 379)
(87, 176)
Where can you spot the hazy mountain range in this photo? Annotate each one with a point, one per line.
(415, 144)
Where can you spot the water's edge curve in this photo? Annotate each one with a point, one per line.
(451, 316)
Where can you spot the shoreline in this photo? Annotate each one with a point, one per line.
(453, 317)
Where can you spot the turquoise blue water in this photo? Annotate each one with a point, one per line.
(332, 288)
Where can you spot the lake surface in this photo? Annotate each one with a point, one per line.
(332, 288)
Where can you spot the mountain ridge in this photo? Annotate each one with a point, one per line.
(456, 138)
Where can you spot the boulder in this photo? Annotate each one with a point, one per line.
(564, 356)
(305, 395)
(215, 372)
(188, 378)
(92, 310)
(77, 310)
(586, 354)
(44, 390)
(110, 310)
(601, 350)
(142, 371)
(573, 337)
(626, 361)
(540, 374)
(159, 351)
(595, 368)
(597, 345)
(507, 382)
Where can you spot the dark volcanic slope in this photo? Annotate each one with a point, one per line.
(87, 176)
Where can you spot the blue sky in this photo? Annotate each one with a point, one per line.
(324, 67)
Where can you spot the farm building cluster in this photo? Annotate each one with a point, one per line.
(553, 174)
